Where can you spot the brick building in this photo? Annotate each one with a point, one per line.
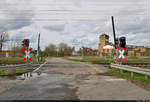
(104, 41)
(88, 51)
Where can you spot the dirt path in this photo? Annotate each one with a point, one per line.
(63, 79)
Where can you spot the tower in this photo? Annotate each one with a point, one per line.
(104, 40)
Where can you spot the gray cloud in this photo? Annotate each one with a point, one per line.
(79, 21)
(15, 15)
(57, 28)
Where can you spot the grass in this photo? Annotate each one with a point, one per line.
(2, 72)
(15, 60)
(92, 59)
(137, 77)
(102, 59)
(21, 71)
(11, 60)
(18, 72)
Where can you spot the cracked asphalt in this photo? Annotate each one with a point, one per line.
(61, 79)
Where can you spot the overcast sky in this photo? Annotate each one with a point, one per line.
(76, 22)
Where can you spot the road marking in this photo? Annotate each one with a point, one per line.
(115, 79)
(40, 66)
(34, 71)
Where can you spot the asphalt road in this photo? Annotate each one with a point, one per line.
(62, 79)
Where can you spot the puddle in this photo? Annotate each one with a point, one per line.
(23, 76)
(52, 75)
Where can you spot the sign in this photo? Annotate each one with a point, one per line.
(27, 54)
(121, 52)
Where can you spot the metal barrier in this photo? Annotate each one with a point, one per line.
(29, 65)
(131, 69)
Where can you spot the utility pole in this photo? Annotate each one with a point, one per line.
(38, 50)
(113, 26)
(82, 50)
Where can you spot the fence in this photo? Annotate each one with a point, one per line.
(131, 69)
(28, 66)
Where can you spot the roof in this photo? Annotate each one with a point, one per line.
(104, 34)
(108, 47)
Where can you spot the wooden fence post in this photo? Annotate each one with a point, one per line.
(146, 77)
(121, 71)
(132, 74)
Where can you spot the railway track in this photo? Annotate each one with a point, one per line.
(17, 66)
(5, 64)
(140, 65)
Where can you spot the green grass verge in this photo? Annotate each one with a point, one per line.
(92, 59)
(102, 59)
(137, 77)
(21, 71)
(15, 60)
(11, 60)
(18, 72)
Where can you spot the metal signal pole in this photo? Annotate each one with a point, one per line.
(113, 26)
(38, 50)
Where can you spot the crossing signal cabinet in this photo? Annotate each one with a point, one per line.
(26, 42)
(123, 42)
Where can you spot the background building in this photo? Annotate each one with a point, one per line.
(104, 41)
(89, 51)
(105, 48)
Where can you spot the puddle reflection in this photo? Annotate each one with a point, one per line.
(29, 75)
(23, 76)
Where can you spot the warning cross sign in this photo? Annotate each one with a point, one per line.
(121, 52)
(27, 54)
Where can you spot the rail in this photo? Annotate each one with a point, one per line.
(29, 65)
(131, 69)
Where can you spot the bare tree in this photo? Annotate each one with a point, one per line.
(3, 37)
(64, 49)
(51, 50)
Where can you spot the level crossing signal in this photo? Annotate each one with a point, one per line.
(123, 42)
(27, 54)
(27, 50)
(25, 43)
(121, 48)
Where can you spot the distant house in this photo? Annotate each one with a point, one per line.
(74, 53)
(89, 51)
(6, 53)
(138, 51)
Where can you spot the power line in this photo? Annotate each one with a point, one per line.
(85, 14)
(51, 19)
(5, 10)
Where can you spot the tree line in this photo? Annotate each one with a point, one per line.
(61, 50)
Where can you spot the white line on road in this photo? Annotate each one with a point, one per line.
(40, 66)
(115, 79)
(35, 70)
